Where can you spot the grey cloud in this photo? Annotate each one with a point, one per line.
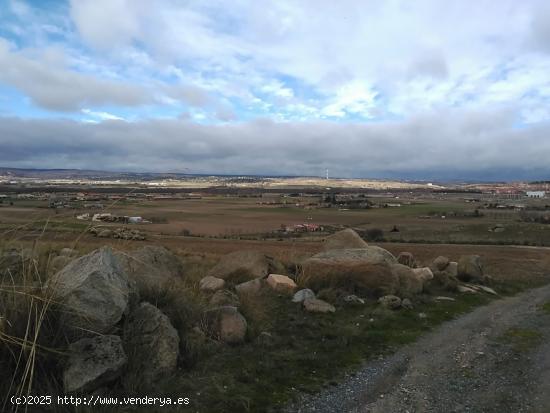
(225, 114)
(432, 64)
(540, 27)
(190, 94)
(56, 88)
(476, 142)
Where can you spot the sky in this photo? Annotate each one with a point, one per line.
(382, 89)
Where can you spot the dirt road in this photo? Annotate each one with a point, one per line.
(495, 359)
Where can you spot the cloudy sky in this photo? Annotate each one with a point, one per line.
(411, 89)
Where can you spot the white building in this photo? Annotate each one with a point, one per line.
(535, 194)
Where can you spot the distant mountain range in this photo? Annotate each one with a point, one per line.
(444, 177)
(110, 175)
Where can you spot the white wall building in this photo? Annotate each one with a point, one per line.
(535, 194)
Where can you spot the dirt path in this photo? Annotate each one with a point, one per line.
(495, 359)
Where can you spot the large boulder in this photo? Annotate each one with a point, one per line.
(363, 271)
(344, 239)
(152, 344)
(470, 268)
(371, 254)
(94, 292)
(246, 265)
(93, 362)
(151, 267)
(281, 283)
(356, 277)
(227, 324)
(409, 283)
(406, 258)
(211, 284)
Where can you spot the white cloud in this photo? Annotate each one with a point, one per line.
(354, 98)
(100, 115)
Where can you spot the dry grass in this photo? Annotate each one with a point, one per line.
(363, 279)
(31, 340)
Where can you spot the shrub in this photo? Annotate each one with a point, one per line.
(374, 235)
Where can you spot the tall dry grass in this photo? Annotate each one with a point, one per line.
(31, 341)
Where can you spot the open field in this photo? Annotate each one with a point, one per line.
(421, 218)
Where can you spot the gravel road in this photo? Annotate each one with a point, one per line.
(494, 359)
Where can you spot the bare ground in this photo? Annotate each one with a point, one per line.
(493, 360)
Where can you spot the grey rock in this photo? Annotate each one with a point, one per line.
(407, 304)
(353, 299)
(152, 267)
(440, 263)
(452, 269)
(152, 344)
(211, 284)
(227, 324)
(470, 268)
(93, 362)
(94, 292)
(302, 295)
(315, 305)
(371, 254)
(391, 302)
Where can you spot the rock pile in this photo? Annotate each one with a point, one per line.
(114, 336)
(119, 232)
(98, 298)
